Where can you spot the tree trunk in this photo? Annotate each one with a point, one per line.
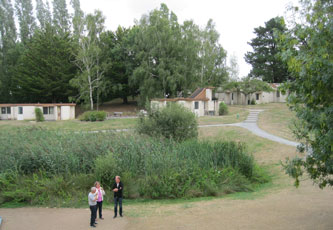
(125, 100)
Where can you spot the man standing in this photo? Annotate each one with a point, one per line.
(92, 200)
(117, 188)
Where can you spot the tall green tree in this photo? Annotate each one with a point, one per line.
(266, 63)
(25, 14)
(233, 68)
(117, 47)
(9, 50)
(77, 17)
(308, 49)
(159, 54)
(61, 17)
(43, 13)
(213, 70)
(45, 68)
(90, 80)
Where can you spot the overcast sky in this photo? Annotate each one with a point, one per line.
(234, 19)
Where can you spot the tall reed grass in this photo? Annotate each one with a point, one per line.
(150, 168)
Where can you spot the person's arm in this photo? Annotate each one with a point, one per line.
(121, 186)
(114, 187)
(103, 192)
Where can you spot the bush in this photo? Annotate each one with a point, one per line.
(173, 122)
(223, 109)
(39, 115)
(253, 102)
(93, 116)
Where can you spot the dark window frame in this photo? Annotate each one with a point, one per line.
(20, 110)
(278, 93)
(196, 105)
(257, 96)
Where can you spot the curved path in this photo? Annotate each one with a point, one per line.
(251, 124)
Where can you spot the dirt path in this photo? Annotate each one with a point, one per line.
(57, 219)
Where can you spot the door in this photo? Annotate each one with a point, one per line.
(59, 113)
(20, 114)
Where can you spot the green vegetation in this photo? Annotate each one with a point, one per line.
(93, 116)
(39, 115)
(49, 168)
(266, 63)
(223, 109)
(173, 121)
(307, 48)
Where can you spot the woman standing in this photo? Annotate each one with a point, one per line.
(100, 193)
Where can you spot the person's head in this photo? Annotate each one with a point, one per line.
(117, 179)
(93, 189)
(97, 184)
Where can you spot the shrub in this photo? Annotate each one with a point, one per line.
(173, 121)
(93, 116)
(253, 102)
(39, 115)
(223, 109)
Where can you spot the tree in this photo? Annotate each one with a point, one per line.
(248, 86)
(43, 13)
(89, 81)
(212, 58)
(117, 47)
(45, 68)
(233, 68)
(158, 52)
(9, 50)
(24, 12)
(308, 50)
(60, 16)
(265, 61)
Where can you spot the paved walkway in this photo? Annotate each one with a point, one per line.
(251, 124)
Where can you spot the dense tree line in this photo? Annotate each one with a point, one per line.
(56, 56)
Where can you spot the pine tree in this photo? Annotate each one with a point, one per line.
(46, 67)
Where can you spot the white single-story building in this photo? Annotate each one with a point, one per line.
(233, 97)
(200, 102)
(51, 111)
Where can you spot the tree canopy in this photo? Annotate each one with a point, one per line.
(266, 63)
(308, 50)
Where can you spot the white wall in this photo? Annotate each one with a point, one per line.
(65, 113)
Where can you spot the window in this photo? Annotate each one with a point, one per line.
(277, 93)
(20, 110)
(5, 110)
(196, 105)
(48, 110)
(257, 96)
(232, 96)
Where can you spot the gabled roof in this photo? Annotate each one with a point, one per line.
(198, 95)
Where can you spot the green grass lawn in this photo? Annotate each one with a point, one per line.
(235, 115)
(74, 125)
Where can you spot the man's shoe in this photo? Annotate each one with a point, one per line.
(101, 218)
(95, 223)
(114, 217)
(93, 226)
(121, 215)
